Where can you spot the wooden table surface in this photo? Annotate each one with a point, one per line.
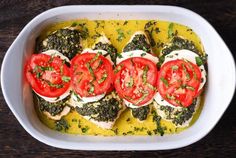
(16, 142)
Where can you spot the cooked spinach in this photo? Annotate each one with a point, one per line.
(121, 35)
(105, 109)
(178, 43)
(65, 41)
(52, 108)
(62, 125)
(181, 116)
(140, 113)
(109, 48)
(139, 42)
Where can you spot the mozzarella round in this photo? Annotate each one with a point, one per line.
(136, 53)
(92, 99)
(73, 101)
(53, 52)
(55, 99)
(131, 105)
(158, 98)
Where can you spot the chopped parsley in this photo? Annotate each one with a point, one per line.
(164, 81)
(62, 125)
(66, 78)
(121, 35)
(199, 61)
(170, 30)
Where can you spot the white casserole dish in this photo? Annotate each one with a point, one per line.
(220, 90)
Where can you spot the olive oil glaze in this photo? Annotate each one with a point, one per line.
(119, 33)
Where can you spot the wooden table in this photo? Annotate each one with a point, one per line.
(15, 141)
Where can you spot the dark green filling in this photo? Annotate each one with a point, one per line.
(139, 42)
(107, 110)
(179, 117)
(52, 108)
(112, 51)
(62, 124)
(140, 113)
(65, 41)
(178, 43)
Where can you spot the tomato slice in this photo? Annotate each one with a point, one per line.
(178, 82)
(135, 80)
(92, 74)
(48, 75)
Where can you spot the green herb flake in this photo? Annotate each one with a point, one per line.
(170, 97)
(125, 23)
(199, 61)
(104, 76)
(66, 78)
(85, 129)
(121, 35)
(164, 81)
(74, 24)
(62, 125)
(151, 86)
(190, 88)
(130, 83)
(149, 133)
(157, 119)
(91, 71)
(145, 94)
(129, 32)
(119, 55)
(143, 54)
(170, 30)
(145, 70)
(157, 30)
(185, 71)
(175, 67)
(128, 119)
(74, 120)
(91, 89)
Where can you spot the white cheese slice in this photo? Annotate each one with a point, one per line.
(53, 53)
(64, 112)
(131, 105)
(55, 99)
(76, 100)
(136, 53)
(103, 39)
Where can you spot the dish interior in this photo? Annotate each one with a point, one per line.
(18, 94)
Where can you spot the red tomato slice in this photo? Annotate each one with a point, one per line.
(135, 80)
(48, 75)
(92, 74)
(178, 82)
